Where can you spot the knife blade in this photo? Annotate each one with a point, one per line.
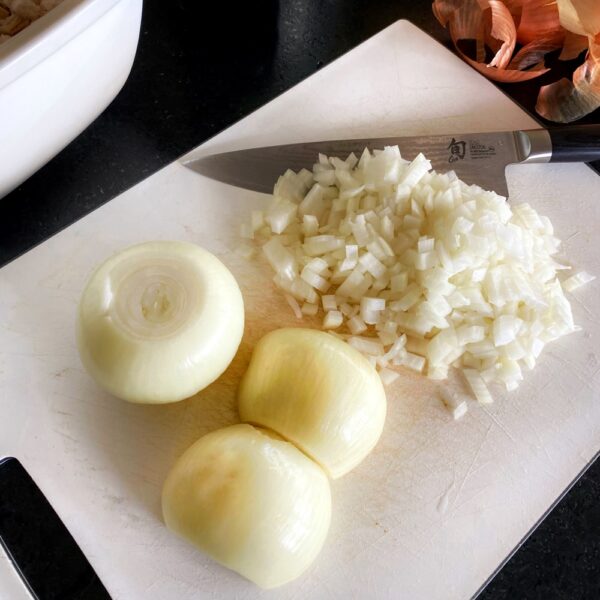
(477, 158)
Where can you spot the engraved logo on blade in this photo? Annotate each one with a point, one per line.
(457, 150)
(479, 150)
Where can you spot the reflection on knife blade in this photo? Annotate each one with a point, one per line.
(479, 158)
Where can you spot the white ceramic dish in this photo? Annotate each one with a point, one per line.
(57, 76)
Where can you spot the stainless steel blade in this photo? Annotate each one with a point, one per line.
(478, 158)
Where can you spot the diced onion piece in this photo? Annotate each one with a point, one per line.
(370, 309)
(408, 300)
(351, 284)
(351, 259)
(333, 319)
(456, 403)
(506, 328)
(396, 348)
(281, 215)
(425, 245)
(310, 225)
(348, 310)
(293, 305)
(280, 258)
(372, 264)
(314, 203)
(321, 244)
(329, 303)
(413, 361)
(374, 304)
(318, 266)
(468, 334)
(437, 372)
(309, 309)
(399, 282)
(478, 387)
(356, 325)
(318, 282)
(576, 281)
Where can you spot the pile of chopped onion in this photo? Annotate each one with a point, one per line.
(416, 268)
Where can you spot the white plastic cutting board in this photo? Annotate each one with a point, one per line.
(439, 504)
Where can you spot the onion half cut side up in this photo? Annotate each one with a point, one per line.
(159, 321)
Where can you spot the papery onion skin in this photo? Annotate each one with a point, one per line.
(542, 26)
(564, 101)
(539, 20)
(143, 355)
(251, 501)
(318, 392)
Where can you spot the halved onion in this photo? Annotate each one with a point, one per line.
(251, 501)
(159, 321)
(318, 392)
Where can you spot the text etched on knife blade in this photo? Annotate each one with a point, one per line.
(457, 150)
(477, 150)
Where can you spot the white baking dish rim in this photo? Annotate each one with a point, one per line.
(48, 34)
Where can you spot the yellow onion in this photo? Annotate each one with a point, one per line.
(318, 392)
(251, 501)
(159, 321)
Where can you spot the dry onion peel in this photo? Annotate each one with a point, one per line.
(532, 54)
(539, 19)
(579, 16)
(573, 46)
(503, 28)
(565, 101)
(540, 27)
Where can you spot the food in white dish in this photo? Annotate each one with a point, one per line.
(15, 15)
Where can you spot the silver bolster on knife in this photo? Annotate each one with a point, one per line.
(534, 145)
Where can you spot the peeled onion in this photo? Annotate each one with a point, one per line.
(318, 392)
(251, 501)
(159, 321)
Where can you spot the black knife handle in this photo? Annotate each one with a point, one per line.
(44, 553)
(575, 143)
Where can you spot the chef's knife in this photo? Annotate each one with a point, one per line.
(479, 158)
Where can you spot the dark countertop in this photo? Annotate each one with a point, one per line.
(198, 70)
